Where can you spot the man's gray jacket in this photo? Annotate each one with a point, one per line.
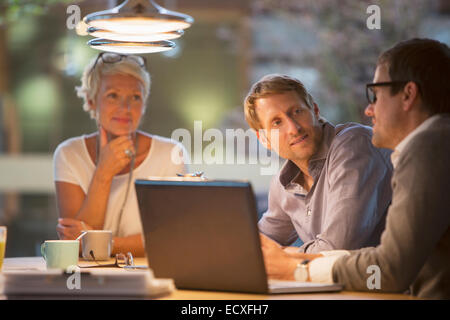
(415, 247)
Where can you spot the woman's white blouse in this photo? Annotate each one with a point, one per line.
(72, 163)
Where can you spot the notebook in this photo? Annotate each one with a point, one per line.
(204, 235)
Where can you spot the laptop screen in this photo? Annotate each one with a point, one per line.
(203, 234)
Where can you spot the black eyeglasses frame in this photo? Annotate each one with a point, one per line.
(380, 84)
(120, 58)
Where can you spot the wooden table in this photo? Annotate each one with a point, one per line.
(39, 263)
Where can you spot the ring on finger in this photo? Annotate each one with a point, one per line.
(128, 153)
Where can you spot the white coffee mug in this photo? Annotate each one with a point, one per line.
(96, 244)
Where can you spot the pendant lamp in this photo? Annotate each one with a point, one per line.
(136, 26)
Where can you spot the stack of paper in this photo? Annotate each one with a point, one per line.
(98, 282)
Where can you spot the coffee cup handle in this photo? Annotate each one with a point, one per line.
(43, 251)
(81, 235)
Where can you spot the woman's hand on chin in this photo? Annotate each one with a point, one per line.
(115, 155)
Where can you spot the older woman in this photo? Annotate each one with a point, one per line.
(92, 171)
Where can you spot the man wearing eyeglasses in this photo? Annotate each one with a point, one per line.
(410, 110)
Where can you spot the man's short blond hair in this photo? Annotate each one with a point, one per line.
(269, 85)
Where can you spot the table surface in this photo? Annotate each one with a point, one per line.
(39, 263)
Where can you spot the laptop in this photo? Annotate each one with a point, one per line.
(204, 235)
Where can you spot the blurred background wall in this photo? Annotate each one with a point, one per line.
(326, 44)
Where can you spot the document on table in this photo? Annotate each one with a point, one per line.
(98, 282)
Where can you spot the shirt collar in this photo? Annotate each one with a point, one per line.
(402, 145)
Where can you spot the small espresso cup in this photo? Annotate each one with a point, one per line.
(60, 254)
(96, 244)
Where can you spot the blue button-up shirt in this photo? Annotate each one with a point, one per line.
(345, 207)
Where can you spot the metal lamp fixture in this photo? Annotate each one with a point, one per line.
(144, 37)
(123, 47)
(136, 26)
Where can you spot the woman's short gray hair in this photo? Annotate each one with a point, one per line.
(91, 79)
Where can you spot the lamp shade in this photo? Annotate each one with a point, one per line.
(139, 17)
(141, 37)
(127, 47)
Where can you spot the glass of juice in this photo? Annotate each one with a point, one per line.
(2, 244)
